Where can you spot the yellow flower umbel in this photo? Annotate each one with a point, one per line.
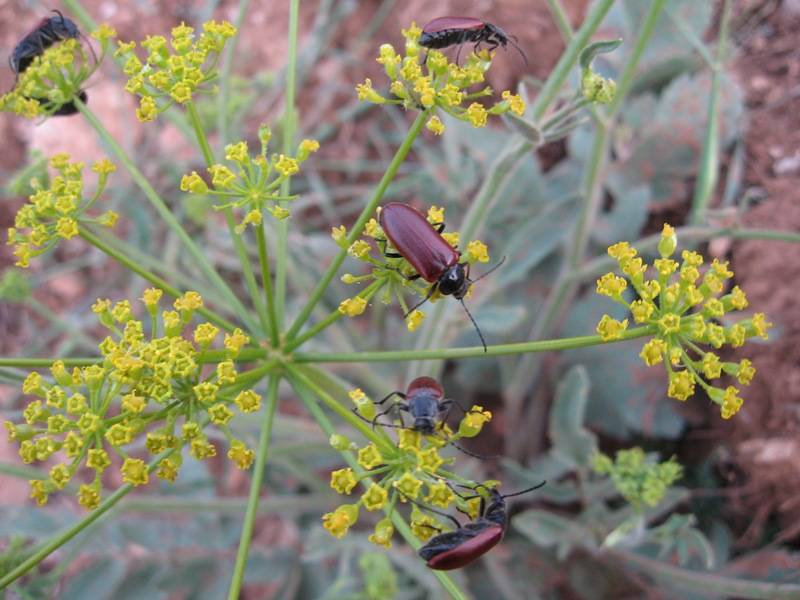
(175, 70)
(400, 472)
(56, 212)
(253, 184)
(687, 307)
(640, 480)
(55, 79)
(437, 84)
(149, 387)
(392, 274)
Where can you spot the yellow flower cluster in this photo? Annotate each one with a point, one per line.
(55, 78)
(641, 480)
(55, 212)
(685, 304)
(395, 271)
(437, 84)
(144, 386)
(255, 184)
(409, 470)
(174, 70)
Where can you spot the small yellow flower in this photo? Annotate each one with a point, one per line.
(67, 227)
(408, 439)
(343, 480)
(731, 402)
(119, 434)
(760, 325)
(205, 333)
(384, 530)
(359, 249)
(168, 470)
(408, 486)
(201, 448)
(220, 414)
(669, 323)
(60, 476)
(712, 365)
(642, 310)
(681, 385)
(668, 242)
(352, 307)
(621, 251)
(423, 526)
(338, 233)
(189, 301)
(476, 114)
(611, 285)
(473, 421)
(134, 471)
(241, 455)
(515, 101)
(611, 329)
(439, 494)
(429, 460)
(366, 92)
(38, 491)
(148, 110)
(370, 457)
(414, 319)
(248, 401)
(375, 497)
(339, 521)
(89, 496)
(193, 184)
(653, 352)
(287, 166)
(98, 460)
(435, 125)
(738, 299)
(745, 372)
(665, 266)
(306, 148)
(452, 238)
(478, 251)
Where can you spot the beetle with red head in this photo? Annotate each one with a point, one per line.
(434, 260)
(456, 549)
(443, 32)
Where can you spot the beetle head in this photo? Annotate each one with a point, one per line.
(454, 281)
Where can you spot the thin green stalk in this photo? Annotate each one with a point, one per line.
(560, 295)
(704, 583)
(59, 540)
(225, 75)
(709, 159)
(238, 243)
(266, 281)
(255, 489)
(152, 278)
(165, 213)
(289, 124)
(366, 214)
(397, 520)
(347, 415)
(473, 352)
(334, 316)
(561, 19)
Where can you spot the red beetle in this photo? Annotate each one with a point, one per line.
(436, 261)
(456, 549)
(448, 31)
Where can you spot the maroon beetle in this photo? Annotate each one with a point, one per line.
(424, 400)
(456, 549)
(436, 261)
(449, 31)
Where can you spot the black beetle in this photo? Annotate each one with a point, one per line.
(433, 259)
(449, 31)
(456, 549)
(49, 31)
(424, 400)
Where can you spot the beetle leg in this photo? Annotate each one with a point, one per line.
(433, 510)
(431, 292)
(396, 393)
(439, 227)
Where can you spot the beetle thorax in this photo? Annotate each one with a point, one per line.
(496, 511)
(454, 282)
(424, 408)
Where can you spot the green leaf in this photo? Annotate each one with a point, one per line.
(551, 531)
(588, 54)
(570, 439)
(525, 128)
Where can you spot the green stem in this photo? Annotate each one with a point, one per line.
(255, 489)
(347, 415)
(238, 243)
(561, 19)
(707, 584)
(289, 123)
(560, 296)
(61, 539)
(334, 316)
(266, 280)
(365, 215)
(165, 213)
(151, 277)
(472, 352)
(397, 520)
(709, 160)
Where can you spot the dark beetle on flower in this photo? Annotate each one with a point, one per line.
(443, 32)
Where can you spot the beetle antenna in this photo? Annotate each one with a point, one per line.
(536, 487)
(471, 318)
(433, 510)
(499, 263)
(513, 39)
(474, 455)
